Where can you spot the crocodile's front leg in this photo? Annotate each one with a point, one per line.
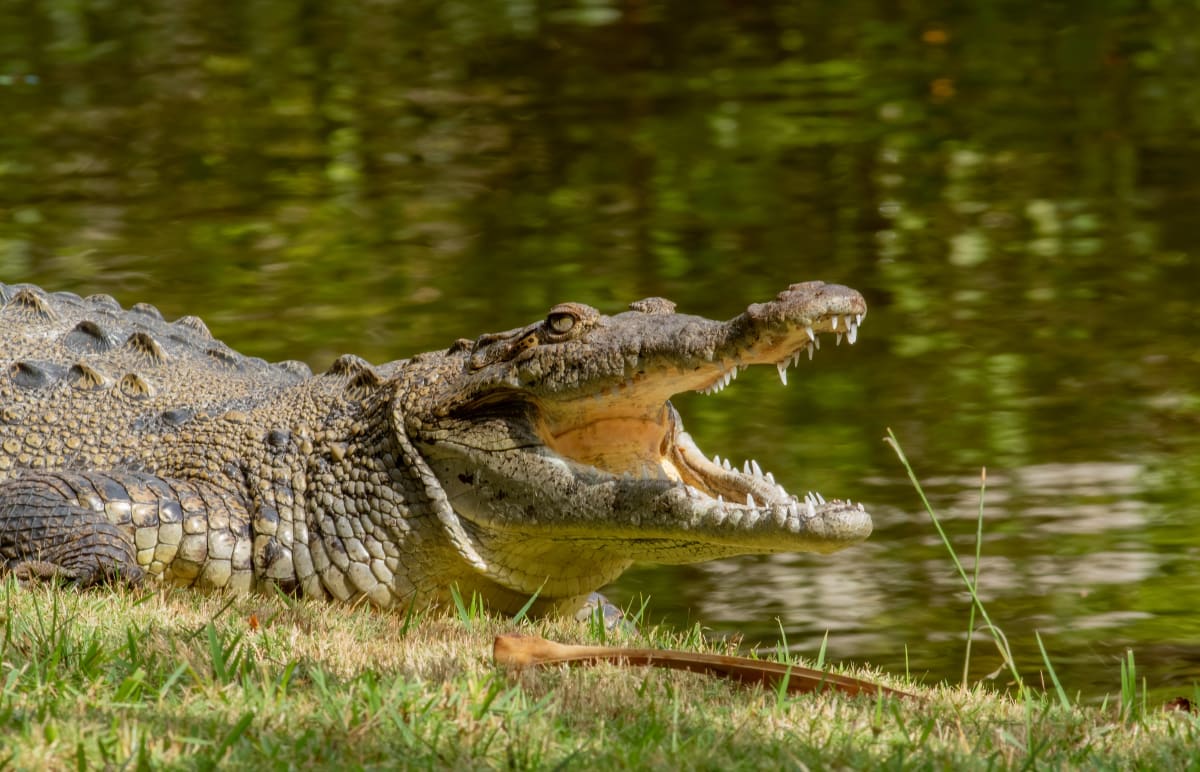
(89, 527)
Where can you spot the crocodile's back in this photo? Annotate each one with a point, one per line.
(84, 383)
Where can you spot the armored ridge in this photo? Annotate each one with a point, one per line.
(544, 459)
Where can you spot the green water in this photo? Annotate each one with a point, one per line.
(1013, 186)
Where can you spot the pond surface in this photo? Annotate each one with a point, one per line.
(1014, 188)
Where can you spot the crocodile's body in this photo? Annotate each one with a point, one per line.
(545, 459)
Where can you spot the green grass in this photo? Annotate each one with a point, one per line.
(173, 678)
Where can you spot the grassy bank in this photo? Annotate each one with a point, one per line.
(115, 678)
(172, 678)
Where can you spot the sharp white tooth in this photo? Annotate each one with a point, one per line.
(720, 499)
(810, 351)
(809, 330)
(858, 319)
(835, 321)
(820, 498)
(733, 373)
(770, 477)
(754, 467)
(795, 357)
(812, 511)
(726, 465)
(839, 339)
(779, 488)
(750, 501)
(852, 335)
(848, 321)
(817, 343)
(716, 459)
(745, 467)
(782, 367)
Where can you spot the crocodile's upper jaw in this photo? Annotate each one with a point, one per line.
(633, 429)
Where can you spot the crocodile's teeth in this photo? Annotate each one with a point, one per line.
(782, 366)
(745, 467)
(839, 337)
(817, 343)
(812, 510)
(835, 321)
(819, 497)
(726, 465)
(810, 350)
(852, 335)
(754, 467)
(811, 335)
(770, 477)
(857, 319)
(750, 500)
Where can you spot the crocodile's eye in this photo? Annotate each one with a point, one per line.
(560, 323)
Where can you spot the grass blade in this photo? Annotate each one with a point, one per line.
(1004, 650)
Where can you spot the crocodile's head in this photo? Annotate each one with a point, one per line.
(562, 459)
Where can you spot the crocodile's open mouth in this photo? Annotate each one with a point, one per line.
(631, 429)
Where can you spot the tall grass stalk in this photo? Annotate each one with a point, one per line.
(975, 576)
(997, 635)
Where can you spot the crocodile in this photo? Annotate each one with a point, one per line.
(537, 463)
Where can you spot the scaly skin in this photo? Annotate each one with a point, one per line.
(545, 459)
